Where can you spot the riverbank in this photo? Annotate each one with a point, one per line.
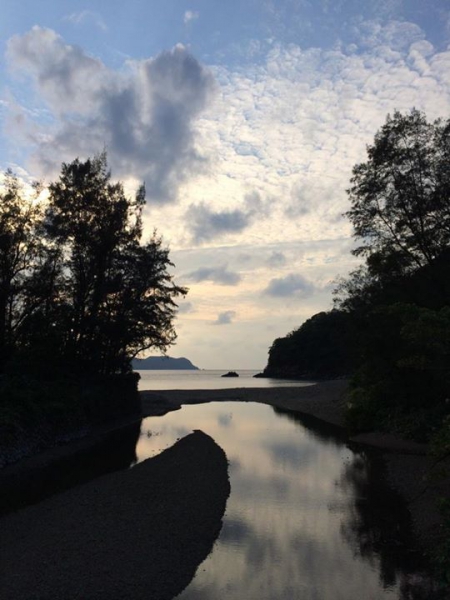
(409, 469)
(101, 499)
(134, 534)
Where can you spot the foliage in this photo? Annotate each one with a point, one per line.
(400, 211)
(404, 379)
(320, 348)
(399, 196)
(390, 329)
(118, 295)
(80, 296)
(83, 276)
(21, 259)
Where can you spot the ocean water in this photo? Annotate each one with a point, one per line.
(209, 380)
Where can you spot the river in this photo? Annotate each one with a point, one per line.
(308, 518)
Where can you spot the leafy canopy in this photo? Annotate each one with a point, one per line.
(81, 284)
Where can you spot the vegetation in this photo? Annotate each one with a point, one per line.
(320, 349)
(80, 295)
(400, 211)
(390, 328)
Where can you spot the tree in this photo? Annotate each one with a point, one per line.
(400, 296)
(21, 256)
(400, 197)
(321, 348)
(116, 297)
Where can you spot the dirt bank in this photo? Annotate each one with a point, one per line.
(134, 534)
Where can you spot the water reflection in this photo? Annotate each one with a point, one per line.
(302, 520)
(379, 525)
(326, 432)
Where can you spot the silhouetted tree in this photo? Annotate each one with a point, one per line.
(400, 211)
(116, 296)
(22, 255)
(323, 347)
(400, 207)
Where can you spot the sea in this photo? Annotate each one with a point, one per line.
(206, 379)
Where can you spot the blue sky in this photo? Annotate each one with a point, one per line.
(244, 119)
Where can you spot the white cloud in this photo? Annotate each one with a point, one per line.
(281, 137)
(143, 117)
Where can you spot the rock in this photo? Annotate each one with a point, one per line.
(230, 374)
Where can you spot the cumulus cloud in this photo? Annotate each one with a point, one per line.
(291, 285)
(395, 35)
(225, 318)
(220, 275)
(206, 224)
(145, 117)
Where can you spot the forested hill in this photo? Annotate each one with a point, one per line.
(163, 363)
(322, 348)
(390, 328)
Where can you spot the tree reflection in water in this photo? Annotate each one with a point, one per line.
(378, 523)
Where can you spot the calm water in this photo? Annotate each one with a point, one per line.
(305, 518)
(207, 379)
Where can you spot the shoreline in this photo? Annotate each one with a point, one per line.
(406, 463)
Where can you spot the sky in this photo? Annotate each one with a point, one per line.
(244, 120)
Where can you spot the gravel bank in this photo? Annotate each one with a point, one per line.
(135, 534)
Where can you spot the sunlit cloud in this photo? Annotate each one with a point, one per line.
(246, 161)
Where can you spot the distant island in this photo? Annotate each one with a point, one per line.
(162, 363)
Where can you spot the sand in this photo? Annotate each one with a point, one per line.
(134, 534)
